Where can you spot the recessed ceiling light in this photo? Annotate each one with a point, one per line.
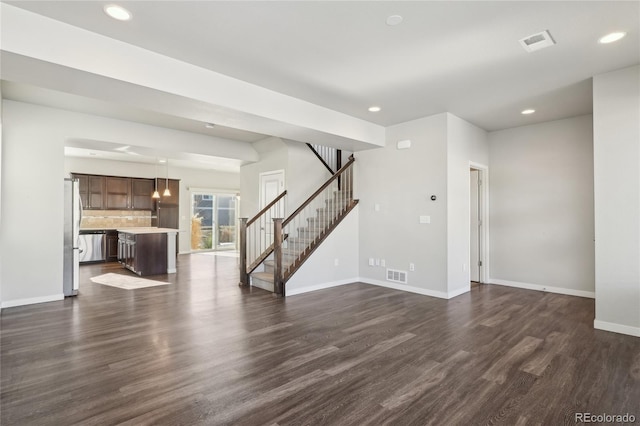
(528, 111)
(610, 38)
(117, 12)
(162, 160)
(374, 109)
(209, 125)
(394, 20)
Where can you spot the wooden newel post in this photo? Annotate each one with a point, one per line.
(278, 285)
(244, 277)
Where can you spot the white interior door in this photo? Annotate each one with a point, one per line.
(271, 185)
(474, 203)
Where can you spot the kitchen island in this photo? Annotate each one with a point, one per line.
(148, 250)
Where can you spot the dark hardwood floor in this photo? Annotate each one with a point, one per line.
(205, 351)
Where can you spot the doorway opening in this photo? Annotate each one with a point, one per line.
(271, 185)
(478, 236)
(213, 221)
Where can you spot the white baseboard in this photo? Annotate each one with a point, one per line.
(616, 328)
(458, 292)
(402, 287)
(322, 286)
(408, 288)
(549, 289)
(31, 301)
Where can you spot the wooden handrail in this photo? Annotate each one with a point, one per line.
(322, 188)
(266, 208)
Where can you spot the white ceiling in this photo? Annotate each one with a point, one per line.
(100, 150)
(460, 57)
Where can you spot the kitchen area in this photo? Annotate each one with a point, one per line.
(133, 221)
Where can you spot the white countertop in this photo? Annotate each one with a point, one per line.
(147, 230)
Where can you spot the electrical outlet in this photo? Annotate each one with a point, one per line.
(383, 263)
(464, 267)
(371, 261)
(336, 262)
(412, 267)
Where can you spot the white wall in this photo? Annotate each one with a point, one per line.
(466, 144)
(303, 173)
(320, 270)
(189, 178)
(1, 135)
(401, 183)
(616, 124)
(31, 232)
(541, 206)
(272, 156)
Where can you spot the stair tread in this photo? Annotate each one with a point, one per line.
(264, 276)
(299, 240)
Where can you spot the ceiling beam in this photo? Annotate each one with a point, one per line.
(230, 102)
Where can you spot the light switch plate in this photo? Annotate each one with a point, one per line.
(425, 219)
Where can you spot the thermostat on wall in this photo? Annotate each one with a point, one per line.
(405, 144)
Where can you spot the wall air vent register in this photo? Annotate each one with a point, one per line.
(397, 276)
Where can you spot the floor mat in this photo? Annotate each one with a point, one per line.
(126, 282)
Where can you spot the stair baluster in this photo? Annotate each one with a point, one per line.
(256, 244)
(312, 222)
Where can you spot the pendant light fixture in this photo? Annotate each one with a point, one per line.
(166, 192)
(156, 194)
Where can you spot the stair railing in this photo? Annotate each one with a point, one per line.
(311, 222)
(330, 157)
(256, 238)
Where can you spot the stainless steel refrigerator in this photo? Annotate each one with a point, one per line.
(72, 218)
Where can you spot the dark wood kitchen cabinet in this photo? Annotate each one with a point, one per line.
(111, 245)
(125, 193)
(174, 188)
(143, 254)
(91, 191)
(141, 191)
(118, 193)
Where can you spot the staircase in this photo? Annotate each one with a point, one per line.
(295, 237)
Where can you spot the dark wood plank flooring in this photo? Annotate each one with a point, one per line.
(205, 351)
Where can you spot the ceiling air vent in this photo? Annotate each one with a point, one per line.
(397, 276)
(537, 41)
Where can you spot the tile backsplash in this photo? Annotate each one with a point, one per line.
(115, 218)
